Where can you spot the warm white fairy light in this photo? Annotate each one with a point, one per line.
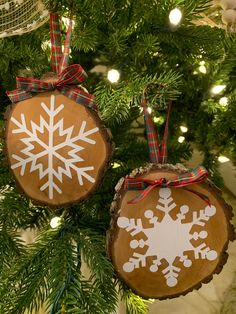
(175, 16)
(223, 159)
(66, 21)
(223, 101)
(217, 89)
(156, 119)
(56, 222)
(202, 69)
(181, 139)
(113, 75)
(183, 128)
(46, 44)
(149, 110)
(115, 165)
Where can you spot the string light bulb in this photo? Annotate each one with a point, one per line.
(181, 139)
(46, 44)
(223, 101)
(183, 129)
(175, 16)
(56, 222)
(222, 159)
(113, 75)
(217, 89)
(66, 21)
(115, 165)
(158, 120)
(149, 109)
(202, 69)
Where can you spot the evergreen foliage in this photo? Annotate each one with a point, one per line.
(133, 36)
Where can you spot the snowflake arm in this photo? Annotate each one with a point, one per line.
(22, 128)
(83, 136)
(204, 252)
(171, 274)
(130, 225)
(165, 201)
(200, 218)
(31, 159)
(135, 262)
(81, 171)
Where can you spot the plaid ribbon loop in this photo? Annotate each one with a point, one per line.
(157, 152)
(195, 176)
(67, 84)
(59, 59)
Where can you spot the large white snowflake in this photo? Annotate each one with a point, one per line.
(168, 239)
(52, 150)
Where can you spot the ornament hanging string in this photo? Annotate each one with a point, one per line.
(59, 60)
(55, 36)
(158, 155)
(69, 76)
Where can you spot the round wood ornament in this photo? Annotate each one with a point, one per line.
(171, 241)
(58, 149)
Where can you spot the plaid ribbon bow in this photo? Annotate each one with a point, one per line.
(195, 176)
(69, 78)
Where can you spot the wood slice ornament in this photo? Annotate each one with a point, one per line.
(170, 227)
(57, 146)
(171, 241)
(58, 149)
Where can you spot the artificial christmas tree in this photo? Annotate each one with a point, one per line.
(135, 38)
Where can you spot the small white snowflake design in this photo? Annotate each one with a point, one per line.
(168, 239)
(51, 149)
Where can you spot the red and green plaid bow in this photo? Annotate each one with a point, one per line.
(67, 83)
(195, 176)
(69, 76)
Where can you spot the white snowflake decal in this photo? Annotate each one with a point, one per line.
(168, 239)
(51, 150)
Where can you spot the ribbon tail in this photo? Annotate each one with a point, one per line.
(79, 96)
(196, 176)
(65, 56)
(55, 36)
(142, 195)
(72, 75)
(153, 144)
(164, 152)
(18, 95)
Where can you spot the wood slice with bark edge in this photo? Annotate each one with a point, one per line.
(100, 152)
(152, 285)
